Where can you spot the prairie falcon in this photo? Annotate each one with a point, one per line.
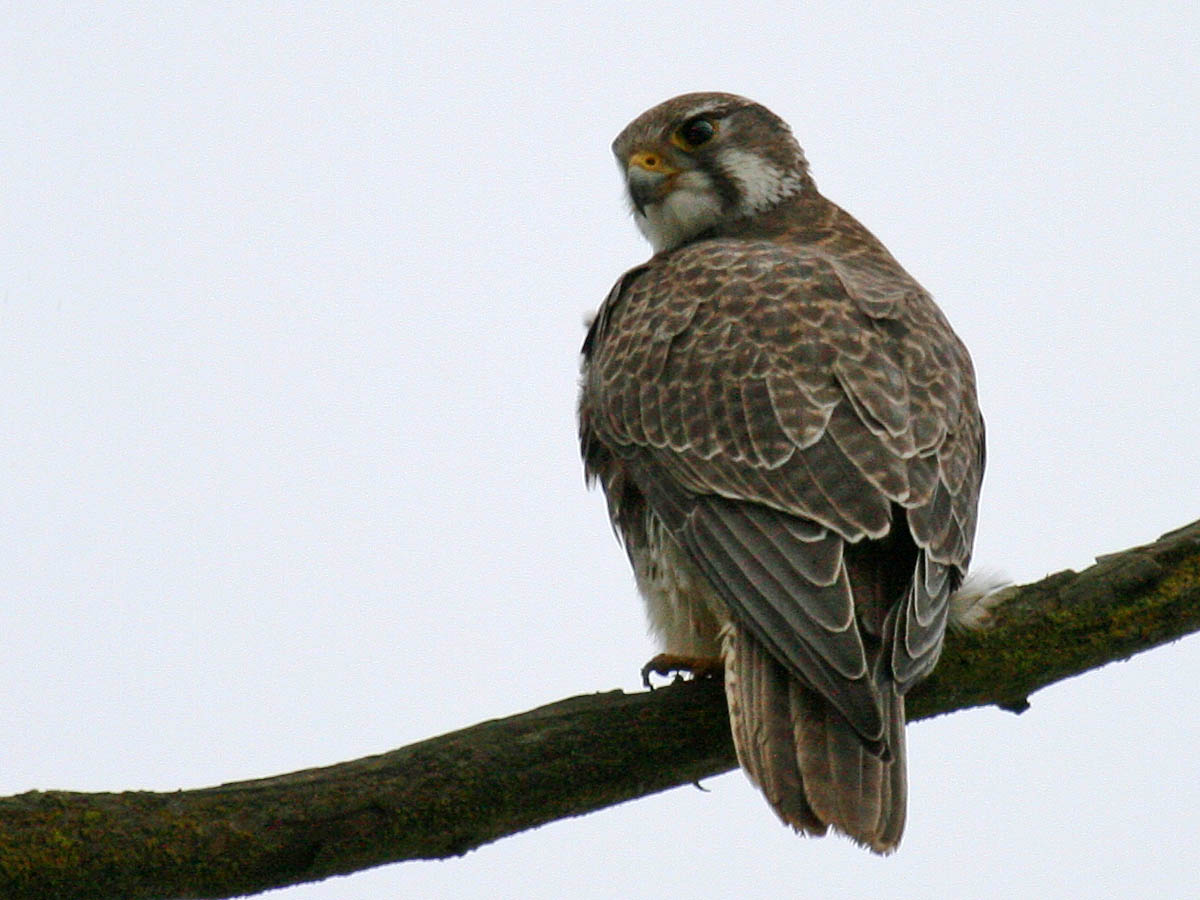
(787, 433)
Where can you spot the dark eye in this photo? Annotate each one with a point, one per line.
(695, 132)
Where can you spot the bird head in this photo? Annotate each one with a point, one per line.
(701, 160)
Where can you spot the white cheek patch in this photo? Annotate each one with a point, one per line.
(691, 207)
(763, 183)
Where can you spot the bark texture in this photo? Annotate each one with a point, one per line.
(450, 794)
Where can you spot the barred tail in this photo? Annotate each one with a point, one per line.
(816, 771)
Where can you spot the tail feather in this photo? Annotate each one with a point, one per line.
(762, 731)
(816, 771)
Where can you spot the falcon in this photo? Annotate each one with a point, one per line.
(788, 438)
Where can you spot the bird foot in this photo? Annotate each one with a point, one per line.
(672, 663)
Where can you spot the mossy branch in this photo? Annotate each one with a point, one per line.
(449, 794)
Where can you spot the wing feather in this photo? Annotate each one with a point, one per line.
(775, 407)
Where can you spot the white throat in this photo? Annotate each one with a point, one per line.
(691, 207)
(694, 204)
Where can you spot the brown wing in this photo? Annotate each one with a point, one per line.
(776, 408)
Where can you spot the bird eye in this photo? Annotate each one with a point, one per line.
(694, 133)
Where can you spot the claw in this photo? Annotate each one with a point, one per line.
(671, 663)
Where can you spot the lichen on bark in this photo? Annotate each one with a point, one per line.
(450, 794)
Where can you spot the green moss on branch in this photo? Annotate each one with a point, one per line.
(450, 794)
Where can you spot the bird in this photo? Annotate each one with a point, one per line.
(787, 433)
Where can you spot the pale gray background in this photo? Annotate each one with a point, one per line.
(290, 305)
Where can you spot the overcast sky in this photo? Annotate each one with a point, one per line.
(290, 307)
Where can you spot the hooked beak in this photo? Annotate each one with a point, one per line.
(649, 178)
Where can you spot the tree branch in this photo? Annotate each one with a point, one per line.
(449, 794)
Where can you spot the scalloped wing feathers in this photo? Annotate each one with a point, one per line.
(800, 418)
